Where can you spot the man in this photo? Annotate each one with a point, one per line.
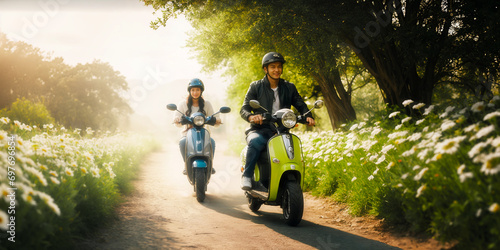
(273, 93)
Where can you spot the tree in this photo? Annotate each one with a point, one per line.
(86, 95)
(226, 37)
(24, 70)
(408, 46)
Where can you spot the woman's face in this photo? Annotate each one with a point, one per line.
(195, 93)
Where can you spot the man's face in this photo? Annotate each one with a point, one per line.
(274, 69)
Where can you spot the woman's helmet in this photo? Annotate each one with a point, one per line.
(272, 57)
(196, 83)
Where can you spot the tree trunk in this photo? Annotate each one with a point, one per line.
(337, 100)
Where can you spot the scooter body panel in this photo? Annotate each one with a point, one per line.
(285, 156)
(198, 152)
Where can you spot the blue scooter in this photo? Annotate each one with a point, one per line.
(199, 149)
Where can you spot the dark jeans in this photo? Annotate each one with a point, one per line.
(256, 145)
(182, 145)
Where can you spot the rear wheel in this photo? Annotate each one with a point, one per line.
(200, 183)
(292, 203)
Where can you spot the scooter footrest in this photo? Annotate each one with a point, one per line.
(259, 194)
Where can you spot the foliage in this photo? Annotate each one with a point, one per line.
(438, 173)
(85, 95)
(408, 47)
(67, 184)
(25, 111)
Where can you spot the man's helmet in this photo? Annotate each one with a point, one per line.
(272, 57)
(196, 83)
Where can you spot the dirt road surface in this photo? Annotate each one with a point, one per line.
(162, 213)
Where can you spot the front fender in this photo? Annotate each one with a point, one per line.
(198, 163)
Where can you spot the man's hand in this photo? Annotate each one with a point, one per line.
(310, 121)
(256, 119)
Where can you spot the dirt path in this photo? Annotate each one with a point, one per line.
(163, 214)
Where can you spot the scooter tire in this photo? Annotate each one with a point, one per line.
(254, 204)
(200, 182)
(292, 203)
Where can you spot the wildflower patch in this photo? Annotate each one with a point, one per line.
(438, 173)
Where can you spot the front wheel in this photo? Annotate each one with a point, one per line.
(292, 203)
(200, 183)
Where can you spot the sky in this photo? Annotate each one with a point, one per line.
(156, 63)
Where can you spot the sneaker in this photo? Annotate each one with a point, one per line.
(246, 183)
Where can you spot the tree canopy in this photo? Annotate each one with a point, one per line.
(85, 95)
(408, 47)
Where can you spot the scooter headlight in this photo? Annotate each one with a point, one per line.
(199, 120)
(289, 119)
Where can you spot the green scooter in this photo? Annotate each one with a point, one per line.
(279, 174)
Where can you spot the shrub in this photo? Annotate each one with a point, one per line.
(28, 112)
(437, 173)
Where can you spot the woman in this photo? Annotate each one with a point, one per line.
(194, 103)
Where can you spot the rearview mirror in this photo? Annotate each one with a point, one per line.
(318, 104)
(255, 104)
(225, 110)
(172, 107)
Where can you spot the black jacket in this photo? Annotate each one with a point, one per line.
(261, 91)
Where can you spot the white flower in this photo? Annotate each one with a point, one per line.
(449, 146)
(473, 127)
(411, 151)
(461, 169)
(420, 190)
(385, 149)
(477, 149)
(415, 136)
(407, 102)
(380, 160)
(485, 131)
(491, 163)
(394, 114)
(68, 172)
(494, 208)
(375, 172)
(478, 213)
(447, 124)
(491, 115)
(478, 107)
(391, 164)
(353, 179)
(353, 127)
(419, 121)
(4, 219)
(404, 176)
(397, 134)
(398, 126)
(5, 120)
(495, 142)
(419, 106)
(407, 119)
(376, 131)
(370, 177)
(464, 176)
(421, 174)
(428, 110)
